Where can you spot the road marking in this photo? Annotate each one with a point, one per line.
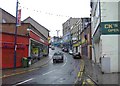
(32, 69)
(22, 72)
(75, 81)
(48, 72)
(83, 83)
(55, 70)
(24, 81)
(65, 62)
(25, 71)
(90, 82)
(44, 65)
(13, 74)
(80, 73)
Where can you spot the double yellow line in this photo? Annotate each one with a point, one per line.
(80, 73)
(89, 82)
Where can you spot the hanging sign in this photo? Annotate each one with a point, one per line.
(19, 18)
(110, 28)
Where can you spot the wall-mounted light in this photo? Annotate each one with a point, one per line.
(28, 29)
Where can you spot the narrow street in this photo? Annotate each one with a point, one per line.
(57, 73)
(55, 42)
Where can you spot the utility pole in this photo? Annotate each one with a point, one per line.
(15, 38)
(57, 33)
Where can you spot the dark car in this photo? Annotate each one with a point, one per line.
(70, 52)
(77, 55)
(58, 57)
(65, 50)
(53, 48)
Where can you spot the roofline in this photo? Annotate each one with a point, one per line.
(36, 22)
(26, 23)
(7, 12)
(69, 20)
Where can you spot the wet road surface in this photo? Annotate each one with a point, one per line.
(51, 73)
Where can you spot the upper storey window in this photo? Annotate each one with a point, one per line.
(3, 21)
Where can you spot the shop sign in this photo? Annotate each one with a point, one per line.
(11, 45)
(110, 28)
(75, 45)
(42, 40)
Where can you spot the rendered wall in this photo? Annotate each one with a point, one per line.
(110, 48)
(110, 13)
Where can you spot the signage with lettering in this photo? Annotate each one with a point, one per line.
(110, 28)
(42, 40)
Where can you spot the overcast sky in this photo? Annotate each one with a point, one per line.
(49, 13)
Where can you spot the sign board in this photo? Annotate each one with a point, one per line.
(110, 28)
(19, 17)
(35, 51)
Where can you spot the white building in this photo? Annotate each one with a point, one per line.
(105, 24)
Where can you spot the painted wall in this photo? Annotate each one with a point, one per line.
(39, 27)
(95, 18)
(7, 47)
(109, 11)
(110, 48)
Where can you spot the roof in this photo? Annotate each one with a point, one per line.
(8, 14)
(35, 22)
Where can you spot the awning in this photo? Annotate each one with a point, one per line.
(79, 43)
(75, 45)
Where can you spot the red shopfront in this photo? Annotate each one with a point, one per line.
(40, 43)
(7, 48)
(23, 44)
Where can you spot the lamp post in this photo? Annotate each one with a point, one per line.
(15, 38)
(57, 32)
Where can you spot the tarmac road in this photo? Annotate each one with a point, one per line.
(57, 73)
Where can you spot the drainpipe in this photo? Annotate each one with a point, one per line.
(94, 50)
(48, 45)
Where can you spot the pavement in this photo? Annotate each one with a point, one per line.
(11, 72)
(88, 69)
(94, 73)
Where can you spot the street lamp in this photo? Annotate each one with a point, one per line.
(28, 29)
(57, 33)
(15, 40)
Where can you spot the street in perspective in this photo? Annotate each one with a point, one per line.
(74, 44)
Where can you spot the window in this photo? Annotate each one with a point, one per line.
(3, 21)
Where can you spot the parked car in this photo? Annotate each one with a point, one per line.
(58, 57)
(70, 52)
(77, 55)
(65, 50)
(62, 49)
(53, 48)
(49, 46)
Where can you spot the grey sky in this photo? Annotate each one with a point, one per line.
(49, 13)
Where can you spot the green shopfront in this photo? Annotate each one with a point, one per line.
(110, 44)
(110, 28)
(105, 44)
